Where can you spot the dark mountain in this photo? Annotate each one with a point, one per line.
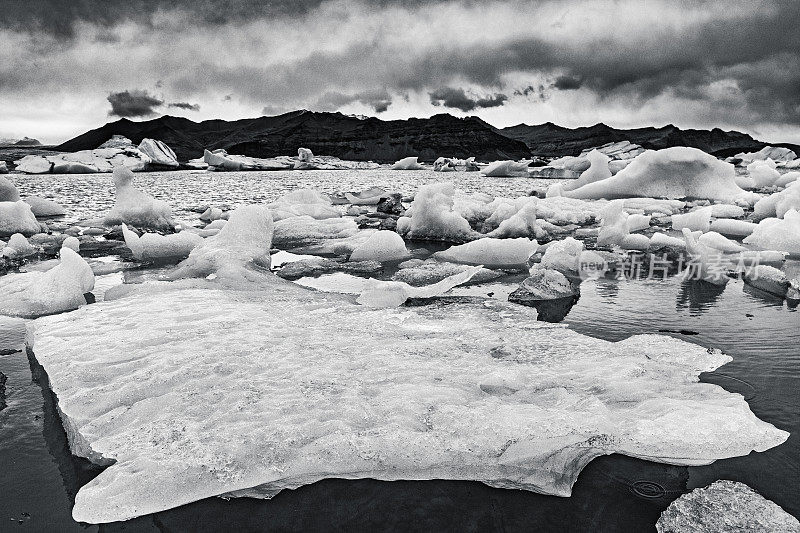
(335, 134)
(549, 139)
(27, 141)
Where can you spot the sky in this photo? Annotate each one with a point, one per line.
(67, 66)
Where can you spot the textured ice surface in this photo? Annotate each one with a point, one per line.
(763, 173)
(18, 246)
(707, 263)
(678, 172)
(727, 226)
(303, 202)
(42, 207)
(542, 284)
(17, 217)
(152, 246)
(8, 192)
(718, 242)
(430, 271)
(776, 205)
(189, 391)
(697, 220)
(492, 253)
(135, 207)
(597, 171)
(42, 293)
(304, 229)
(159, 153)
(725, 507)
(563, 255)
(778, 234)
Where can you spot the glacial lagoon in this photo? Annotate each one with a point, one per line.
(758, 331)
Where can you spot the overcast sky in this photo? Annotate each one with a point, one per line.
(71, 65)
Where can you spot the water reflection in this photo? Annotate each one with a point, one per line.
(698, 295)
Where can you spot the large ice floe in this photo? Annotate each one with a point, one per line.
(135, 207)
(222, 160)
(59, 289)
(197, 388)
(677, 172)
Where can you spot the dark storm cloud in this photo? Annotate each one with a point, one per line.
(134, 103)
(457, 98)
(379, 100)
(185, 105)
(567, 83)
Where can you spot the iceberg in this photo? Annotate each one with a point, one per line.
(418, 272)
(763, 173)
(8, 192)
(117, 152)
(407, 163)
(597, 171)
(135, 207)
(712, 239)
(506, 169)
(777, 204)
(542, 284)
(491, 253)
(181, 405)
(563, 255)
(152, 246)
(18, 246)
(17, 217)
(305, 155)
(59, 289)
(697, 220)
(672, 173)
(381, 246)
(42, 207)
(432, 216)
(159, 153)
(778, 234)
(301, 230)
(775, 153)
(706, 264)
(303, 202)
(620, 150)
(245, 240)
(722, 507)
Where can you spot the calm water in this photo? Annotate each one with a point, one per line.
(762, 334)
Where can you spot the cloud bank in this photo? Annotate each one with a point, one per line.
(733, 64)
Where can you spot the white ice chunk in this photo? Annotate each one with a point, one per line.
(18, 246)
(304, 229)
(381, 246)
(246, 238)
(727, 211)
(432, 217)
(379, 293)
(152, 246)
(712, 239)
(677, 172)
(159, 153)
(563, 255)
(407, 163)
(660, 240)
(598, 170)
(72, 243)
(43, 293)
(508, 169)
(706, 264)
(135, 207)
(490, 252)
(735, 228)
(786, 179)
(187, 392)
(8, 192)
(303, 202)
(17, 217)
(697, 220)
(778, 234)
(763, 173)
(42, 207)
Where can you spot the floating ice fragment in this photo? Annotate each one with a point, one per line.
(492, 253)
(152, 246)
(135, 207)
(381, 246)
(506, 169)
(432, 217)
(407, 163)
(17, 217)
(778, 234)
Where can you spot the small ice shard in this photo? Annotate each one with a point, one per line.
(763, 173)
(246, 238)
(697, 220)
(662, 240)
(677, 172)
(506, 169)
(211, 214)
(8, 192)
(18, 246)
(492, 253)
(432, 216)
(381, 246)
(706, 263)
(712, 239)
(379, 293)
(370, 196)
(174, 422)
(152, 246)
(597, 171)
(42, 207)
(725, 507)
(542, 284)
(17, 217)
(768, 279)
(407, 163)
(135, 207)
(159, 153)
(778, 234)
(59, 289)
